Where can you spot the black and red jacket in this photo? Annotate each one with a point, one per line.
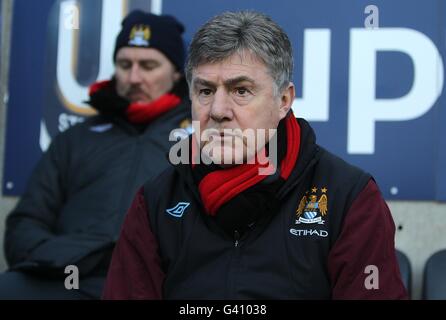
(170, 249)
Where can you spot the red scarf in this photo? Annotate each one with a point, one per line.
(146, 112)
(141, 113)
(220, 186)
(95, 87)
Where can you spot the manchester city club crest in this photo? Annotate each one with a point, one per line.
(140, 36)
(313, 207)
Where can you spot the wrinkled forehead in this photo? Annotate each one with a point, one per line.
(238, 65)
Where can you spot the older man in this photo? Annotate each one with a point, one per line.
(76, 199)
(219, 227)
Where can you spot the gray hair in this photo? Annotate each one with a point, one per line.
(237, 32)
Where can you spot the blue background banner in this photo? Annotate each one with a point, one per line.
(1, 33)
(374, 95)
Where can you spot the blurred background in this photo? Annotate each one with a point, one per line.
(369, 77)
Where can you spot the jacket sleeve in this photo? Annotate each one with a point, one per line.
(34, 219)
(362, 263)
(135, 271)
(32, 241)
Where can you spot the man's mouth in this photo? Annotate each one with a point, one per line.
(226, 139)
(136, 96)
(221, 135)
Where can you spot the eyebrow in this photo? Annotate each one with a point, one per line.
(227, 83)
(138, 61)
(205, 83)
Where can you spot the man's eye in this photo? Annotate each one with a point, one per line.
(241, 91)
(205, 92)
(125, 65)
(148, 67)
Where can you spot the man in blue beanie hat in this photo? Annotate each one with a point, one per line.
(62, 232)
(149, 58)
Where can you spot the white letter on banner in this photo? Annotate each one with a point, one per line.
(72, 93)
(314, 104)
(364, 108)
(372, 20)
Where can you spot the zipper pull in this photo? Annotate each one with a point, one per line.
(236, 238)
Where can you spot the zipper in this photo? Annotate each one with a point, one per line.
(236, 238)
(231, 291)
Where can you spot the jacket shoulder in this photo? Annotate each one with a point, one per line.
(160, 184)
(88, 126)
(346, 180)
(340, 170)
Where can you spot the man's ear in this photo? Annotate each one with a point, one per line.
(286, 100)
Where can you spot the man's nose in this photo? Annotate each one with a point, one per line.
(221, 109)
(135, 74)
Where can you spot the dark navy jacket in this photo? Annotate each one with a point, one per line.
(77, 196)
(303, 251)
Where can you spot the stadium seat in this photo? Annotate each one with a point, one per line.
(405, 270)
(434, 284)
